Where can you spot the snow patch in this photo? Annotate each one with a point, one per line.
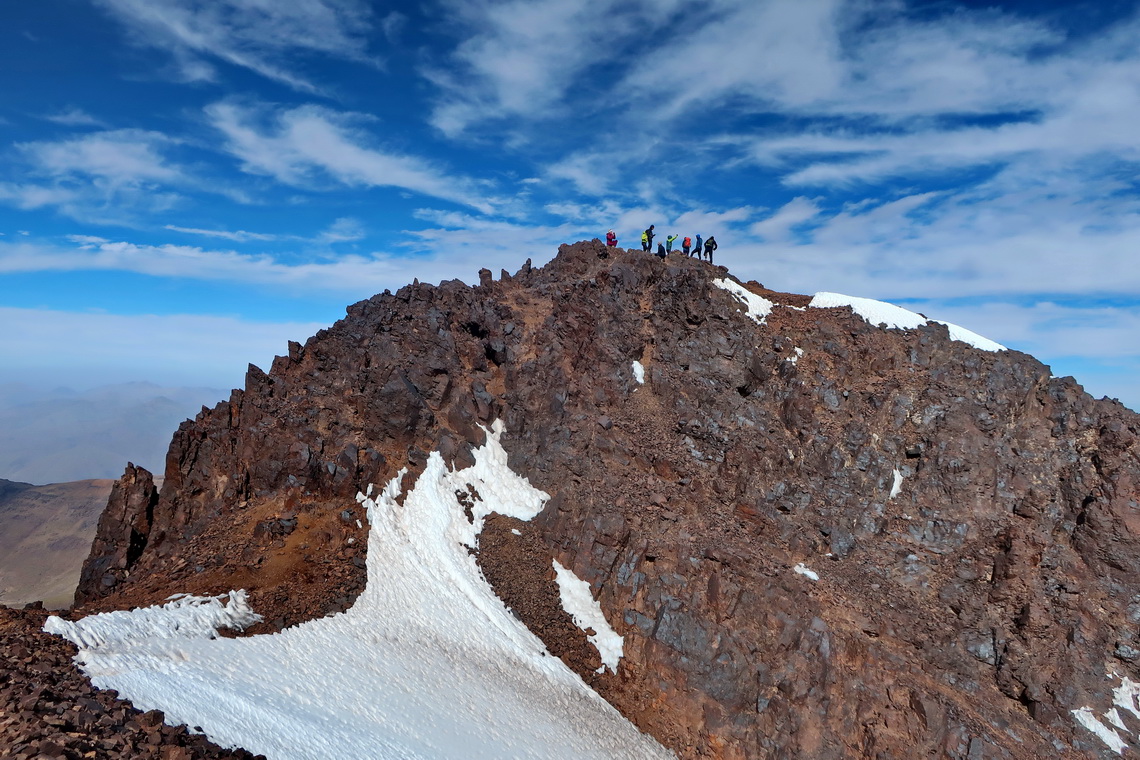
(758, 308)
(428, 663)
(896, 486)
(797, 352)
(971, 337)
(587, 613)
(199, 617)
(638, 372)
(806, 572)
(1124, 697)
(1086, 718)
(895, 317)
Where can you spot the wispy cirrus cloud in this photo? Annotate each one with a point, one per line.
(75, 117)
(112, 176)
(237, 236)
(310, 145)
(781, 54)
(264, 37)
(353, 275)
(524, 59)
(1033, 241)
(345, 229)
(117, 157)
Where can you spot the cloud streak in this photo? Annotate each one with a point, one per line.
(179, 348)
(306, 145)
(350, 274)
(260, 36)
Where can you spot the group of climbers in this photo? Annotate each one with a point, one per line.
(703, 246)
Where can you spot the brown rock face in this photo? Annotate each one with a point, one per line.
(123, 532)
(964, 616)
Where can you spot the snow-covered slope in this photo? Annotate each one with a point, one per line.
(883, 313)
(429, 663)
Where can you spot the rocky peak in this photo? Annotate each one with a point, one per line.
(819, 537)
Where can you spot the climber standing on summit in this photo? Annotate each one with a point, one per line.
(611, 239)
(648, 238)
(686, 245)
(669, 243)
(697, 250)
(645, 240)
(710, 246)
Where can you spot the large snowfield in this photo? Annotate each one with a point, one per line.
(428, 663)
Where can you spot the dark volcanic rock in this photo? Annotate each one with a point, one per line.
(48, 709)
(964, 617)
(123, 532)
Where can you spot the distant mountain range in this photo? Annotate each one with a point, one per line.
(62, 435)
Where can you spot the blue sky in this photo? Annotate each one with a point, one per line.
(187, 184)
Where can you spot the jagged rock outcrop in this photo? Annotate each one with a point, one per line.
(123, 532)
(972, 521)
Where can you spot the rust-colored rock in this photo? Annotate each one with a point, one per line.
(964, 617)
(124, 528)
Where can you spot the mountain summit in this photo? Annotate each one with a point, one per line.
(821, 527)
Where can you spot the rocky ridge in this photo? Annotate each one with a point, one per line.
(972, 521)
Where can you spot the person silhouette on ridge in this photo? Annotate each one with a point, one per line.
(649, 238)
(611, 239)
(697, 250)
(669, 243)
(710, 246)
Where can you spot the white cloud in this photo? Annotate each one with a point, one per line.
(393, 25)
(783, 52)
(462, 244)
(354, 275)
(1088, 331)
(116, 157)
(81, 347)
(105, 177)
(74, 117)
(778, 226)
(519, 59)
(237, 236)
(265, 37)
(31, 196)
(305, 145)
(87, 240)
(345, 229)
(979, 242)
(713, 221)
